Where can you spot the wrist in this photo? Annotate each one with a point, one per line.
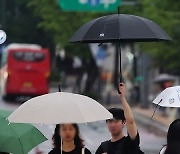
(122, 97)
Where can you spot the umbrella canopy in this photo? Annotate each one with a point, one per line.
(18, 138)
(170, 97)
(164, 78)
(58, 108)
(119, 27)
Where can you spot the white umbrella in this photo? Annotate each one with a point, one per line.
(170, 97)
(58, 108)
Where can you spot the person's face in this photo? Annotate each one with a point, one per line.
(67, 132)
(115, 126)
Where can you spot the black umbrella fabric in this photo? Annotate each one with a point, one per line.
(119, 28)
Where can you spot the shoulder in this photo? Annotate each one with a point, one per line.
(54, 151)
(103, 147)
(51, 152)
(87, 151)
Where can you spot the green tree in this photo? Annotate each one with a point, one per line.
(20, 24)
(167, 15)
(49, 26)
(61, 25)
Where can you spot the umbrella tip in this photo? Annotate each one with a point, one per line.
(118, 9)
(59, 87)
(8, 121)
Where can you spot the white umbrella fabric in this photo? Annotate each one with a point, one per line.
(170, 97)
(60, 107)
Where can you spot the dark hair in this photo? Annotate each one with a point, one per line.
(117, 113)
(173, 138)
(78, 141)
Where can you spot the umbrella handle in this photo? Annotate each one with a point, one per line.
(118, 9)
(118, 89)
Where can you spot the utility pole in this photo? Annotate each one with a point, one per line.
(129, 2)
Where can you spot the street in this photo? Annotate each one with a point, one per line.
(152, 138)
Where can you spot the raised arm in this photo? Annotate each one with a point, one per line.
(130, 122)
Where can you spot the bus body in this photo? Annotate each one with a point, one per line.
(25, 70)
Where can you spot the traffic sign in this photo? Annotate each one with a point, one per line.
(90, 5)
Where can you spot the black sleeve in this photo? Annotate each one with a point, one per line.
(99, 150)
(133, 145)
(87, 151)
(51, 152)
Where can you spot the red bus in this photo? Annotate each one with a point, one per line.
(25, 70)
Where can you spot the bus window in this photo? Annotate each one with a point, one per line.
(28, 56)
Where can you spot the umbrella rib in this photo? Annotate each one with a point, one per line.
(81, 111)
(142, 19)
(89, 29)
(18, 139)
(97, 20)
(156, 108)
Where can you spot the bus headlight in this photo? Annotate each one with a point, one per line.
(5, 74)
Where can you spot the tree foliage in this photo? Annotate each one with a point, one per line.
(165, 13)
(43, 22)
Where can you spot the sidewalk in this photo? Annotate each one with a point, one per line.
(158, 123)
(157, 117)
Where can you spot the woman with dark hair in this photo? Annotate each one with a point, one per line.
(173, 139)
(67, 140)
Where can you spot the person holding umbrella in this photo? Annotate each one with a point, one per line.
(67, 140)
(119, 143)
(67, 110)
(173, 139)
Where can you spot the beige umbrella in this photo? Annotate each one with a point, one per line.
(60, 107)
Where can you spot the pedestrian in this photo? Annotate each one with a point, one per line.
(119, 143)
(173, 139)
(68, 136)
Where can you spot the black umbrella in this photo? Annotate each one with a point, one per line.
(119, 28)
